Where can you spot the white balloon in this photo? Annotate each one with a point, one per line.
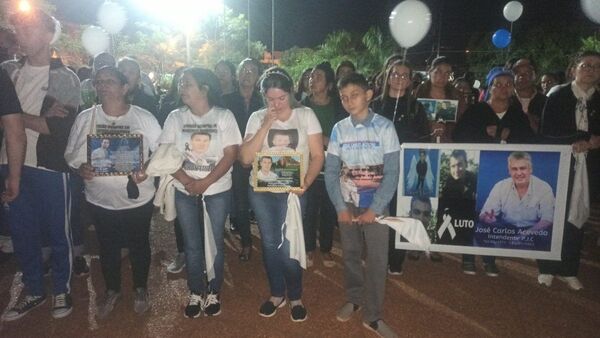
(591, 9)
(409, 22)
(513, 10)
(112, 17)
(95, 40)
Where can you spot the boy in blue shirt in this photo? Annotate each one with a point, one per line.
(361, 175)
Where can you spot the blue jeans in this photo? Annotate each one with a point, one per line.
(284, 273)
(41, 213)
(189, 214)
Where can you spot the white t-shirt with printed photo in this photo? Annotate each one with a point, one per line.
(302, 123)
(202, 140)
(110, 192)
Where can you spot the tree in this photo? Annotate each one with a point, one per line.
(550, 47)
(367, 52)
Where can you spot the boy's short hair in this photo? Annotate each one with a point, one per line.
(356, 79)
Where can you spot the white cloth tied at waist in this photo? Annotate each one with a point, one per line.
(292, 230)
(579, 206)
(166, 160)
(409, 228)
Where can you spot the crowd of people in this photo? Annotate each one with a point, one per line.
(201, 138)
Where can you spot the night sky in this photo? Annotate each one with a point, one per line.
(305, 23)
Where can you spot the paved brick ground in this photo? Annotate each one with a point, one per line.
(429, 300)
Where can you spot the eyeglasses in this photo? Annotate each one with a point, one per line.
(588, 66)
(401, 76)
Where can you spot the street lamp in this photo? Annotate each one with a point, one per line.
(184, 15)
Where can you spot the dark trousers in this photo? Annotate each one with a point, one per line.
(123, 228)
(320, 214)
(572, 244)
(241, 206)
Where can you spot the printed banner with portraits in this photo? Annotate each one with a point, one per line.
(500, 200)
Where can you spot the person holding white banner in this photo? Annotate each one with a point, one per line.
(571, 116)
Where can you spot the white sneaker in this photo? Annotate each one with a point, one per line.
(545, 279)
(572, 282)
(177, 265)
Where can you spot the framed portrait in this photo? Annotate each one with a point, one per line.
(277, 171)
(496, 200)
(440, 110)
(115, 154)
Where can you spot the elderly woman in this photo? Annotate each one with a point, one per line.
(571, 117)
(270, 208)
(207, 136)
(121, 209)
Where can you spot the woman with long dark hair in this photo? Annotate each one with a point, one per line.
(283, 113)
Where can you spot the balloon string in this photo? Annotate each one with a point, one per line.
(396, 106)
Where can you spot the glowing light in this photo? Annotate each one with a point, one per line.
(24, 6)
(180, 13)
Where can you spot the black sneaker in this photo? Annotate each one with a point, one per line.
(212, 305)
(491, 270)
(194, 307)
(80, 267)
(268, 309)
(469, 268)
(62, 305)
(26, 304)
(298, 313)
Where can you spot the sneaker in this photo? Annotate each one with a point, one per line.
(395, 271)
(80, 267)
(177, 265)
(435, 257)
(62, 305)
(298, 313)
(545, 279)
(345, 312)
(491, 270)
(572, 282)
(141, 303)
(26, 304)
(381, 329)
(107, 304)
(212, 305)
(194, 307)
(268, 309)
(469, 268)
(328, 261)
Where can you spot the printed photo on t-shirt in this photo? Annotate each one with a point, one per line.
(359, 183)
(200, 149)
(282, 139)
